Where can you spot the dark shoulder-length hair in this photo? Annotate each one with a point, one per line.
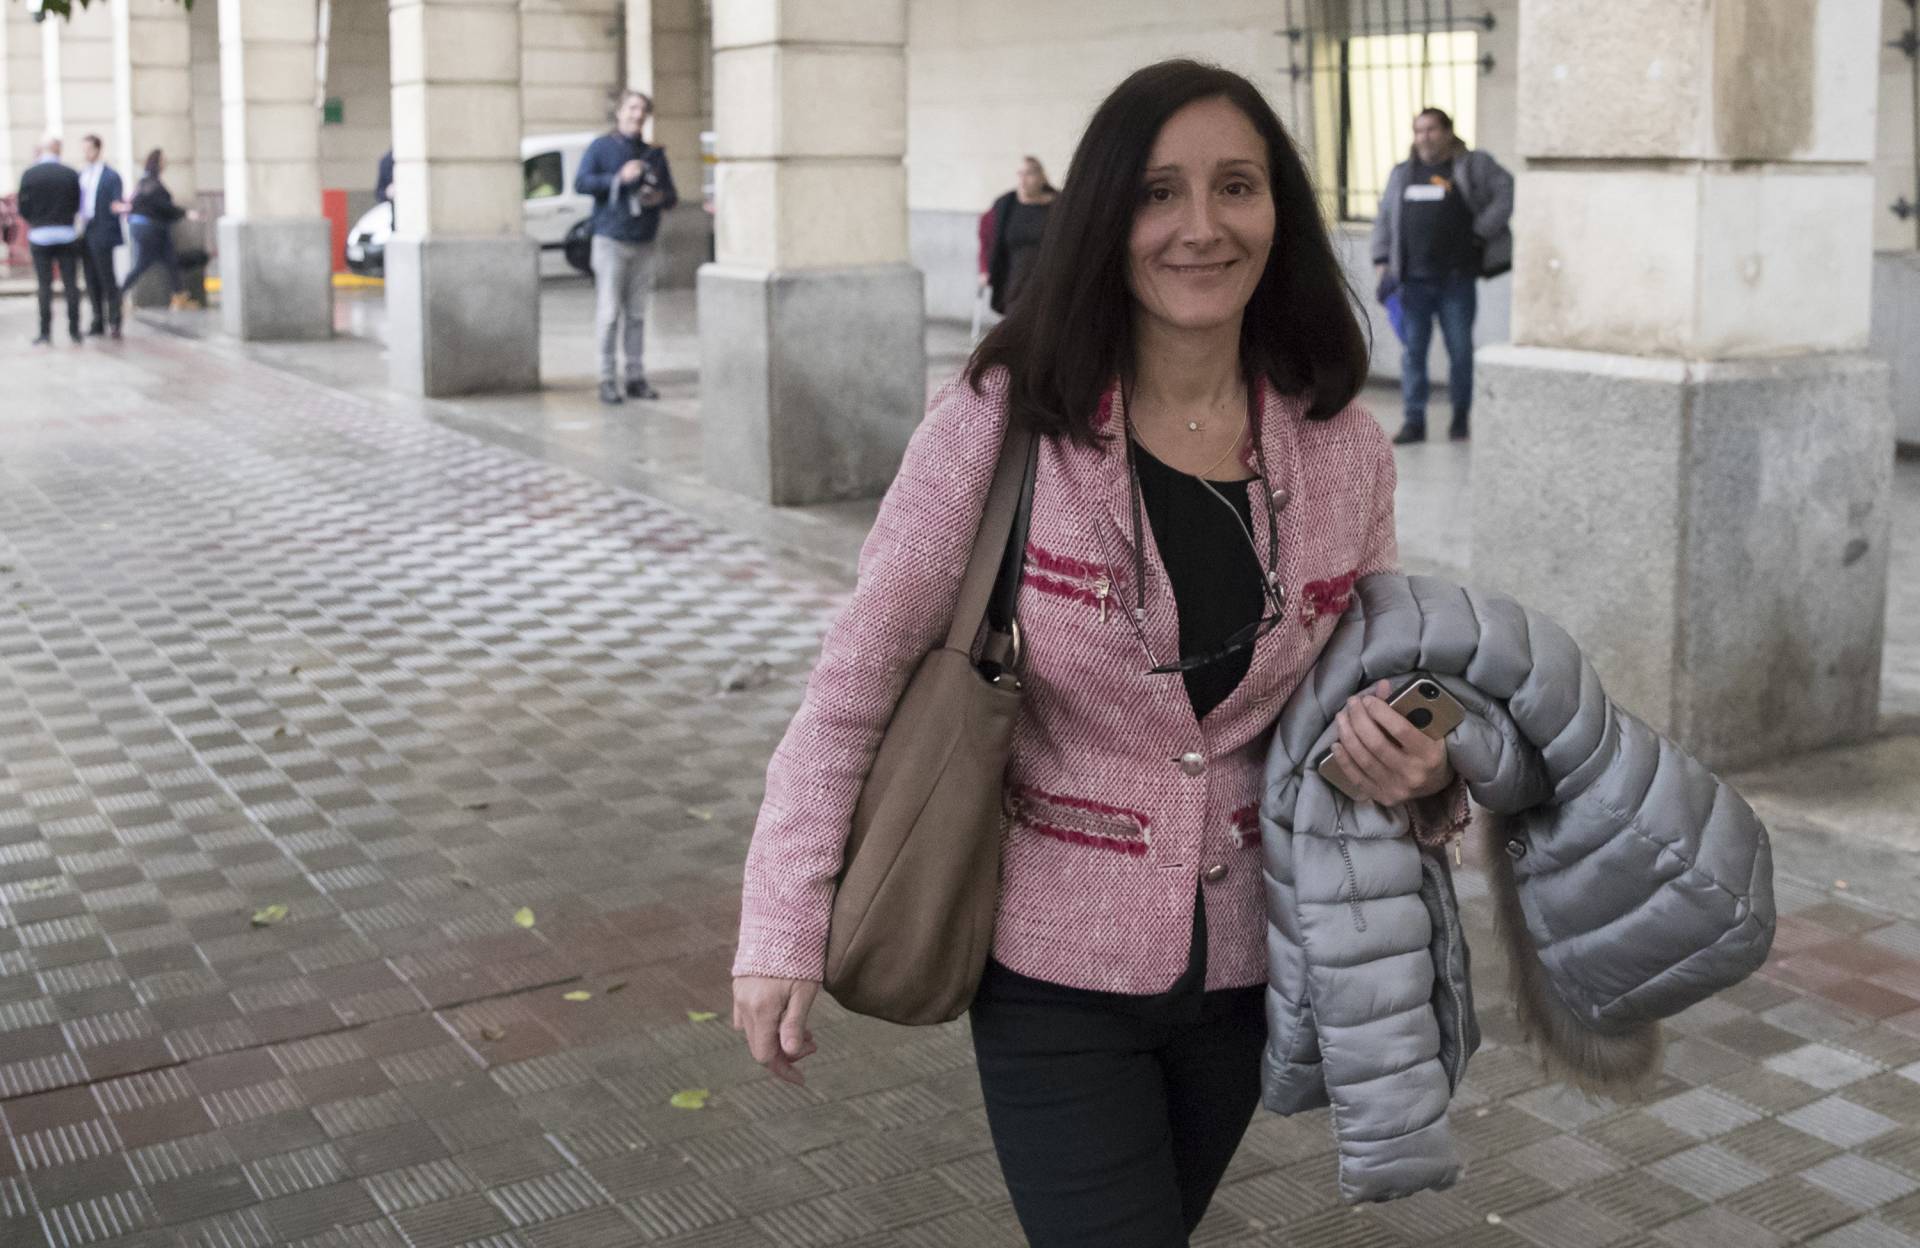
(1071, 331)
(154, 158)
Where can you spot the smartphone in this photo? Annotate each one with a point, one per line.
(1426, 706)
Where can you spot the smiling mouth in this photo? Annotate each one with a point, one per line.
(1201, 270)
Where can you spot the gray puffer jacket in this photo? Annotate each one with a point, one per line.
(1633, 883)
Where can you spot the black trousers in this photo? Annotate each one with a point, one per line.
(1114, 1116)
(65, 257)
(103, 293)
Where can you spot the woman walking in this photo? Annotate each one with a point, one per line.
(1011, 231)
(151, 217)
(1206, 496)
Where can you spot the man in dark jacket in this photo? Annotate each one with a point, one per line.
(1442, 225)
(631, 186)
(50, 205)
(100, 234)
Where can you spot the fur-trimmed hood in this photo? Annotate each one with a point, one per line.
(1628, 881)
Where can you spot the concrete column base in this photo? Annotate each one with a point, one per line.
(811, 382)
(1713, 535)
(1896, 328)
(463, 315)
(276, 278)
(685, 242)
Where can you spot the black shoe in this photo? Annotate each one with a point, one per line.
(610, 394)
(113, 331)
(1410, 433)
(641, 390)
(96, 329)
(1457, 434)
(77, 337)
(44, 340)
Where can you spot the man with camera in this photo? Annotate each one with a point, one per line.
(631, 186)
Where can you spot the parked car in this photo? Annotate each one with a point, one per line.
(548, 163)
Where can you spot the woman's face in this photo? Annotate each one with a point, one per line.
(1203, 227)
(1033, 180)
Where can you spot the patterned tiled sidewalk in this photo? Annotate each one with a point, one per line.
(264, 645)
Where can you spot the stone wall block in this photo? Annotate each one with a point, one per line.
(454, 42)
(743, 23)
(809, 101)
(802, 215)
(456, 121)
(1773, 80)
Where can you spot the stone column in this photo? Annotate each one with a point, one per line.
(86, 79)
(668, 52)
(276, 249)
(1685, 457)
(812, 358)
(153, 107)
(23, 96)
(463, 278)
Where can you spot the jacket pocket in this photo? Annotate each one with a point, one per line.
(1078, 821)
(1066, 577)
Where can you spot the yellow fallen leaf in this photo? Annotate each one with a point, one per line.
(524, 916)
(267, 915)
(701, 1016)
(692, 1098)
(705, 816)
(493, 1033)
(576, 995)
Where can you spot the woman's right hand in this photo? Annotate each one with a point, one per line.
(773, 1013)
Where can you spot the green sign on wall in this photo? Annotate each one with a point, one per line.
(333, 112)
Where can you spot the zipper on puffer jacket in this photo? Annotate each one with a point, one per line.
(1353, 887)
(1446, 972)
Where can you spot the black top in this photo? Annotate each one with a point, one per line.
(154, 201)
(1436, 223)
(1025, 226)
(1214, 571)
(49, 194)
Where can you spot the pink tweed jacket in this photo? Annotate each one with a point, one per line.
(1120, 805)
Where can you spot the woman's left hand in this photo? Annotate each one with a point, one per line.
(1391, 761)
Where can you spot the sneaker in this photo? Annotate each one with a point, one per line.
(96, 329)
(1457, 434)
(77, 337)
(1410, 433)
(113, 331)
(641, 390)
(610, 394)
(44, 340)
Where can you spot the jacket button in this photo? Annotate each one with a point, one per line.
(1192, 762)
(1281, 497)
(1215, 873)
(1516, 849)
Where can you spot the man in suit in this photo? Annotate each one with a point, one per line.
(100, 234)
(50, 205)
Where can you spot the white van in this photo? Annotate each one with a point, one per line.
(548, 163)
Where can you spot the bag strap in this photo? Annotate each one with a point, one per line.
(994, 567)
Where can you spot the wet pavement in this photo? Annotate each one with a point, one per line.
(345, 744)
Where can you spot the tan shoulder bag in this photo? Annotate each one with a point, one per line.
(913, 912)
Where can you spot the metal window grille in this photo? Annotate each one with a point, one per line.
(1361, 70)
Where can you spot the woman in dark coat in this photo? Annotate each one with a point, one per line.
(151, 218)
(1018, 220)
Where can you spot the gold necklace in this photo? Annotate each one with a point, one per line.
(1231, 448)
(1207, 472)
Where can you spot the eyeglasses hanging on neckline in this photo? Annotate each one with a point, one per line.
(1275, 594)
